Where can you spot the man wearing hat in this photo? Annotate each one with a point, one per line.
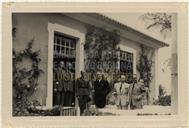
(121, 91)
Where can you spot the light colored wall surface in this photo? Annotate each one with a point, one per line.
(35, 26)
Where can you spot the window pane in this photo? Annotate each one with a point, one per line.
(67, 43)
(58, 41)
(63, 42)
(71, 52)
(55, 39)
(58, 49)
(72, 44)
(126, 62)
(127, 57)
(62, 50)
(67, 51)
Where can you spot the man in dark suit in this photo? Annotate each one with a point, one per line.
(68, 85)
(58, 85)
(101, 89)
(82, 92)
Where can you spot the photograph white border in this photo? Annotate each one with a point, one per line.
(179, 120)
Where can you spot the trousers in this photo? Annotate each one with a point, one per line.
(83, 99)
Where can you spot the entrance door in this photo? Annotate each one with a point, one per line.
(64, 57)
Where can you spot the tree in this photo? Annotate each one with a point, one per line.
(162, 20)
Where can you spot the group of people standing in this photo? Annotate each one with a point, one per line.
(95, 91)
(127, 96)
(63, 85)
(130, 96)
(66, 89)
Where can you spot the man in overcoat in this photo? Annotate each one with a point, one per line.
(101, 89)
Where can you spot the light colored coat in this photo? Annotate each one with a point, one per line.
(122, 97)
(137, 95)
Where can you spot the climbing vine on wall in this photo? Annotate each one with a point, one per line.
(101, 46)
(144, 65)
(25, 81)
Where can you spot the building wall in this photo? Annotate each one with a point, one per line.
(35, 26)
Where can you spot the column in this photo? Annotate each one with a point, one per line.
(174, 71)
(49, 99)
(156, 75)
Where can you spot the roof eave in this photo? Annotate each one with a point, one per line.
(111, 24)
(127, 28)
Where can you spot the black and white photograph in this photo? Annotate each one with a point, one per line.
(94, 64)
(80, 64)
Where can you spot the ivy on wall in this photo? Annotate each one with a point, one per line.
(144, 65)
(98, 46)
(25, 81)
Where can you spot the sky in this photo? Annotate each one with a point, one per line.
(135, 21)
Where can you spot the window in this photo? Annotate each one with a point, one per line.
(126, 63)
(64, 46)
(64, 50)
(64, 62)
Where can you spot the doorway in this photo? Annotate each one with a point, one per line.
(64, 59)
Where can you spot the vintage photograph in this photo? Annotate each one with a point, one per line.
(94, 64)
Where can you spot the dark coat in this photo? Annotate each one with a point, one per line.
(101, 89)
(58, 84)
(68, 81)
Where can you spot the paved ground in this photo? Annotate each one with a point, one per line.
(147, 110)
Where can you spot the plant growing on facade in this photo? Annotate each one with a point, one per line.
(101, 47)
(25, 81)
(163, 21)
(163, 99)
(144, 65)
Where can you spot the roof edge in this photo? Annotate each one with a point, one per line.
(123, 26)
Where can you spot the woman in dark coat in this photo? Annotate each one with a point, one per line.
(101, 89)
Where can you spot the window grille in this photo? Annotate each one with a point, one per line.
(126, 63)
(64, 46)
